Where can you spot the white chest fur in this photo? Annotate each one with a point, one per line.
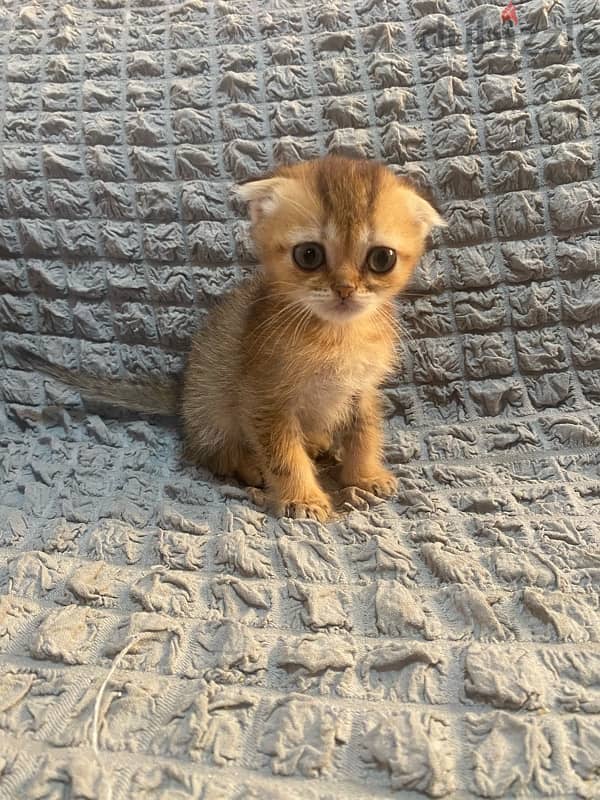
(325, 397)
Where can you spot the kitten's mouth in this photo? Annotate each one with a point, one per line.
(345, 307)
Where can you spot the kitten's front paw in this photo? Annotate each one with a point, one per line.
(381, 483)
(309, 508)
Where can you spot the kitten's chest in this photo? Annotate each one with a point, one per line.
(326, 393)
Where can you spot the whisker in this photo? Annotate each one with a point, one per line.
(296, 310)
(397, 323)
(271, 284)
(270, 319)
(273, 297)
(300, 327)
(416, 295)
(393, 325)
(405, 333)
(294, 319)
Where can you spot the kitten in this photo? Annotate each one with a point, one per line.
(290, 361)
(293, 358)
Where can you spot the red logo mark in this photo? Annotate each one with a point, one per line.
(509, 14)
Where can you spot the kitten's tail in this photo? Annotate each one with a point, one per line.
(147, 396)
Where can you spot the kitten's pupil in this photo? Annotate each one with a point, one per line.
(308, 255)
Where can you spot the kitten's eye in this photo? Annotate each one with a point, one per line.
(381, 259)
(309, 255)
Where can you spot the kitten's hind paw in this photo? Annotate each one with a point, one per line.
(257, 496)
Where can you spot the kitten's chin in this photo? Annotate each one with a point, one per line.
(341, 313)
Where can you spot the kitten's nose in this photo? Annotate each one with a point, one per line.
(344, 290)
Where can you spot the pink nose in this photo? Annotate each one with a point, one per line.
(344, 290)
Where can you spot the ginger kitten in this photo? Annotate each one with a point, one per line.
(291, 360)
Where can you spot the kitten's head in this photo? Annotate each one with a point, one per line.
(338, 235)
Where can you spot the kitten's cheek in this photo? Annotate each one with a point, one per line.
(380, 295)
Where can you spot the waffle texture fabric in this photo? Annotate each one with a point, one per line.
(159, 636)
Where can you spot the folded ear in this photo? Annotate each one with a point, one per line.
(426, 214)
(263, 196)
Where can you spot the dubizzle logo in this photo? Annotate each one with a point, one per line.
(509, 14)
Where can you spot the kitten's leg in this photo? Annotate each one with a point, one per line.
(293, 489)
(232, 460)
(318, 444)
(362, 447)
(248, 470)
